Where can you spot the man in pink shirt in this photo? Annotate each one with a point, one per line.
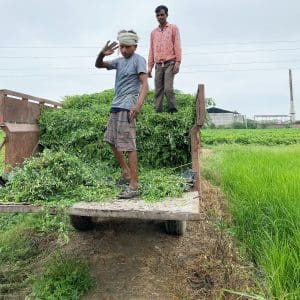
(165, 54)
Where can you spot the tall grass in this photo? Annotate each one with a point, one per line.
(263, 188)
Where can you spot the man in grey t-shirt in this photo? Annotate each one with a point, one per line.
(131, 87)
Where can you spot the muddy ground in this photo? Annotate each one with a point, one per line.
(137, 260)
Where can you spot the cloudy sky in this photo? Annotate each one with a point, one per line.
(240, 49)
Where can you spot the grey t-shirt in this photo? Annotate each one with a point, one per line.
(127, 84)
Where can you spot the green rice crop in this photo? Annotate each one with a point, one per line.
(263, 190)
(284, 136)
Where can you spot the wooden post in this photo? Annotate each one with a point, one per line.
(2, 103)
(195, 135)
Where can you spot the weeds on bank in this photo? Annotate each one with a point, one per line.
(23, 238)
(62, 278)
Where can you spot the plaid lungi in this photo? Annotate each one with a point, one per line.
(120, 132)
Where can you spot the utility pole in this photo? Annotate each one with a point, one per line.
(292, 105)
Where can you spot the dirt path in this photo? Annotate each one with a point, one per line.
(136, 260)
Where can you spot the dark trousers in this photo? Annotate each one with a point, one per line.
(164, 81)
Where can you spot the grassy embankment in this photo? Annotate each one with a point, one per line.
(262, 186)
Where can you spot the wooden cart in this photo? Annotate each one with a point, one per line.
(173, 211)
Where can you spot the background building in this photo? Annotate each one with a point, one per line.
(224, 118)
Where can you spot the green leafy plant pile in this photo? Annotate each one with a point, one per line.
(78, 127)
(76, 165)
(61, 177)
(162, 139)
(46, 176)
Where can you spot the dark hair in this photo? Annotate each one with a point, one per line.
(159, 8)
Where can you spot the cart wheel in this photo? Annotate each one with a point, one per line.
(175, 227)
(81, 222)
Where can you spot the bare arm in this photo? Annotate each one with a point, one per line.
(108, 49)
(150, 58)
(142, 95)
(177, 48)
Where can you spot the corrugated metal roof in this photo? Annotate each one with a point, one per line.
(217, 110)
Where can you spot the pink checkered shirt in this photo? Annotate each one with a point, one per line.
(164, 45)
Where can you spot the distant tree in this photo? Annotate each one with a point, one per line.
(208, 103)
(251, 124)
(239, 125)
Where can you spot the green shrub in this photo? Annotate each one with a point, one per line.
(238, 125)
(251, 124)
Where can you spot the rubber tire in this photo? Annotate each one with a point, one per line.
(175, 227)
(81, 223)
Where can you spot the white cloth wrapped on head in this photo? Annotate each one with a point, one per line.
(127, 38)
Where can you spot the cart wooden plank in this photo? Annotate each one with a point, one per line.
(181, 209)
(20, 207)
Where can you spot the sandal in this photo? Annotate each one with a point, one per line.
(128, 193)
(122, 181)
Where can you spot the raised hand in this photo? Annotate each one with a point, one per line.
(109, 48)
